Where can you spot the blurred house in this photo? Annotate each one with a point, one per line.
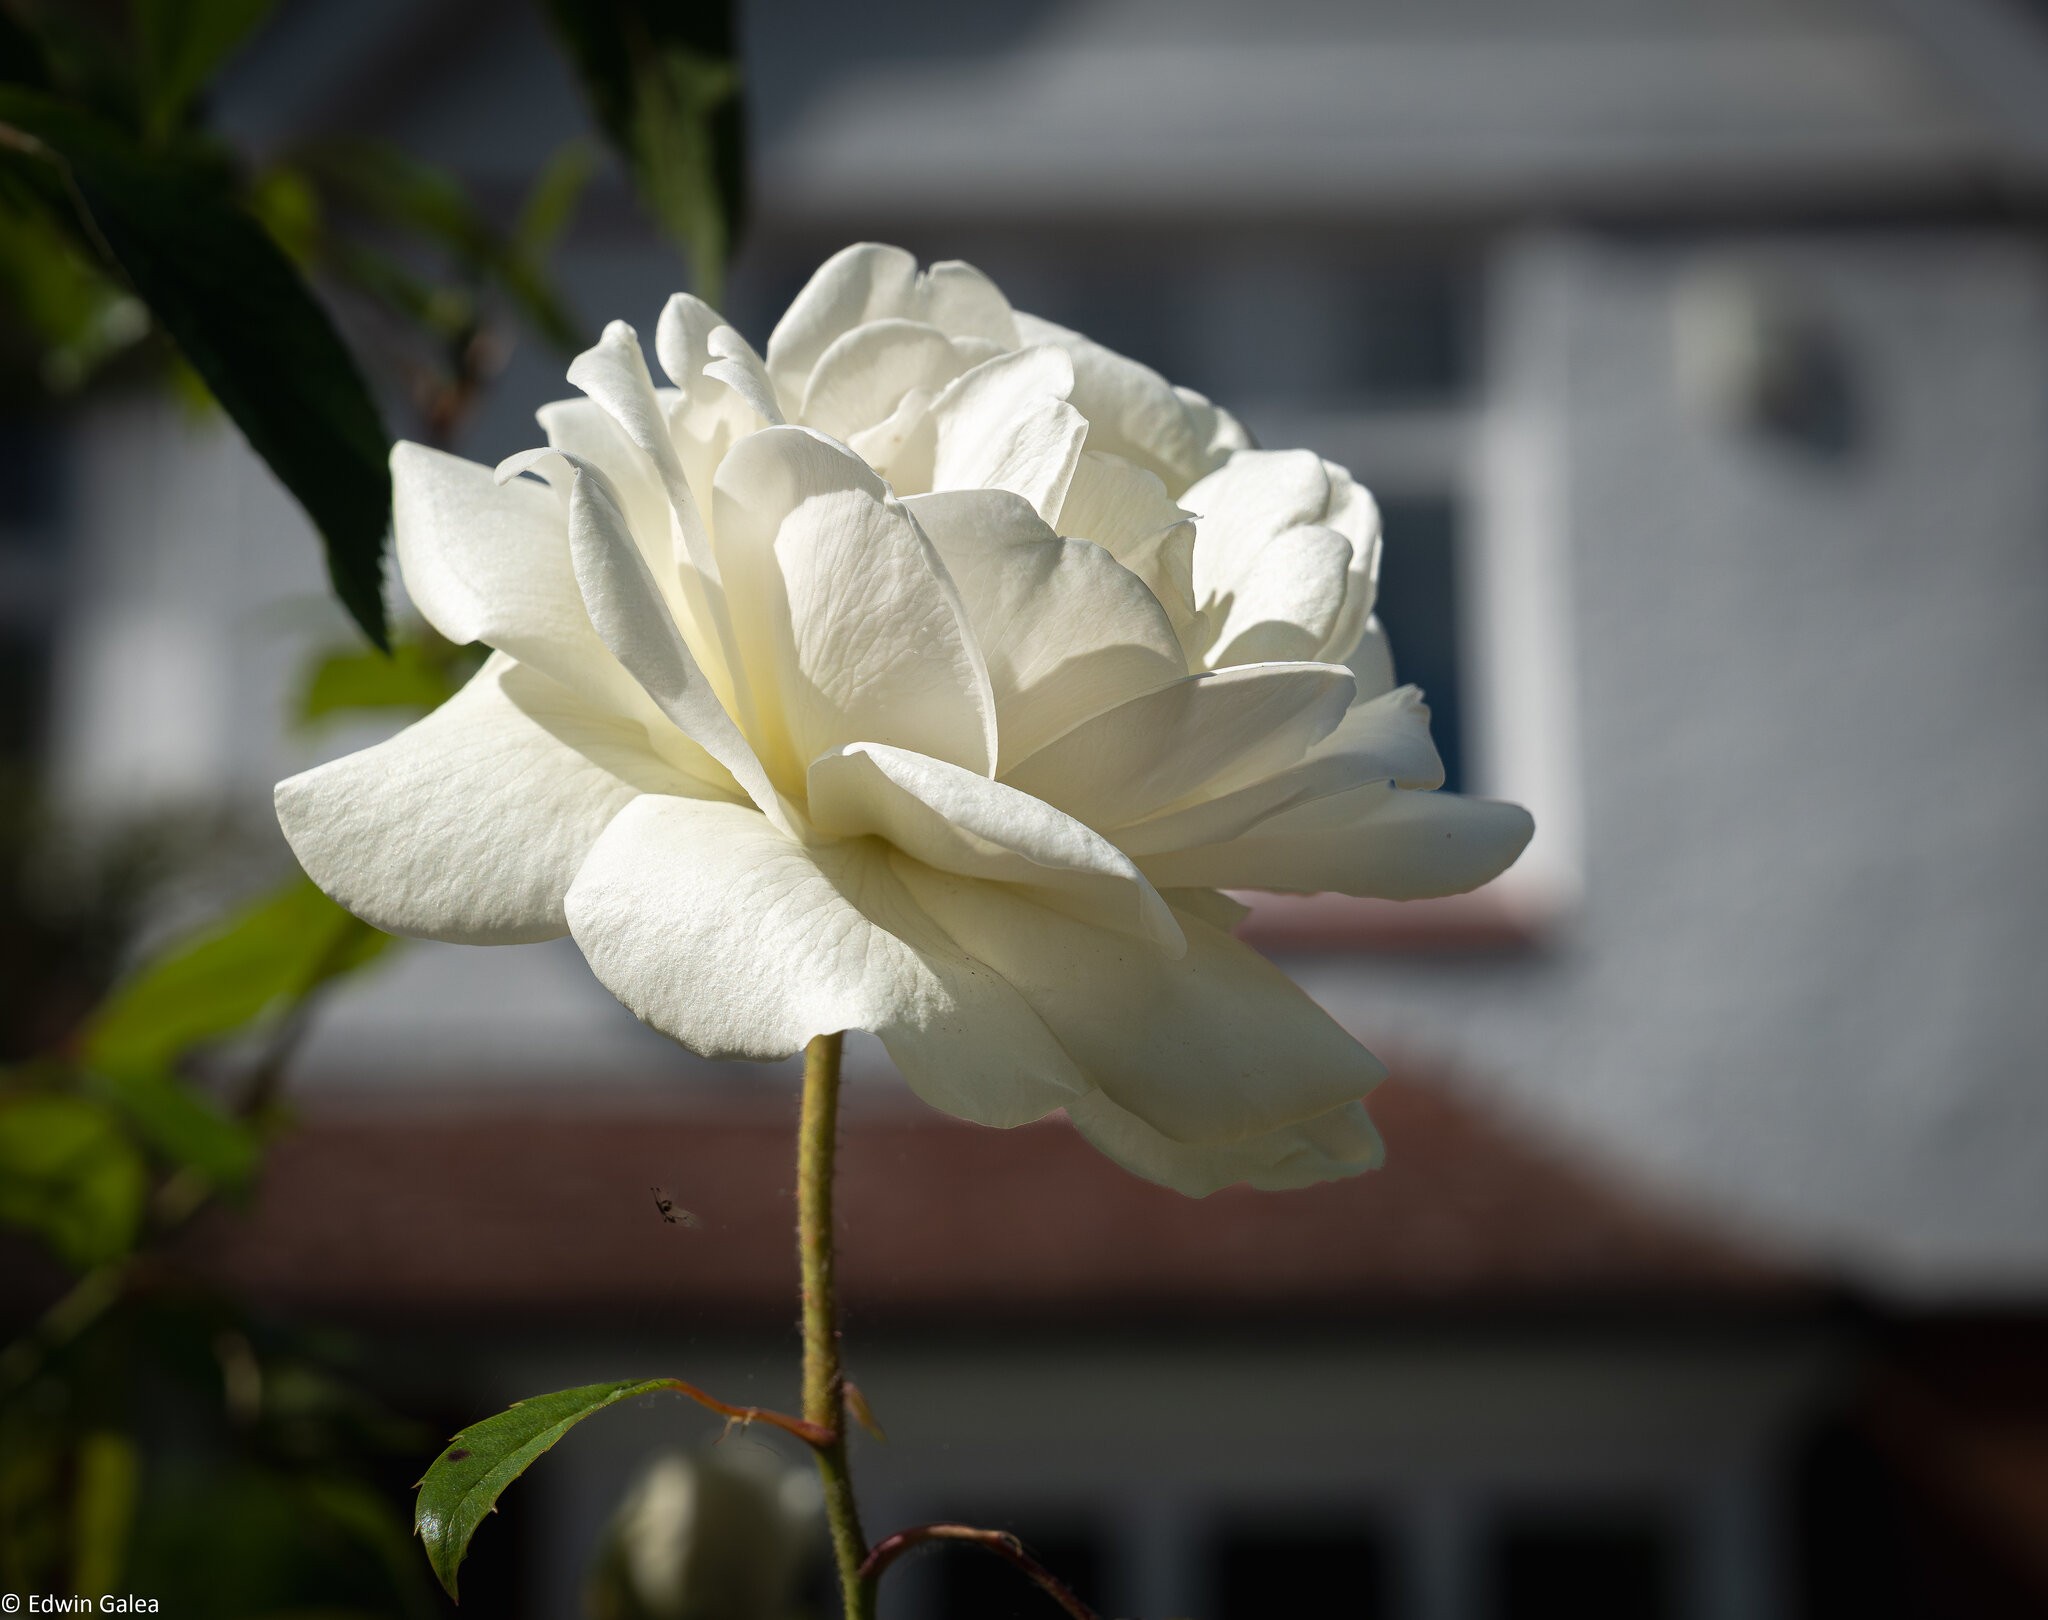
(1699, 355)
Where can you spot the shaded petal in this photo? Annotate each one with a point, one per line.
(1354, 514)
(695, 345)
(1135, 413)
(865, 282)
(1270, 574)
(964, 823)
(485, 561)
(629, 613)
(1382, 740)
(869, 282)
(1217, 1046)
(1372, 660)
(851, 628)
(861, 379)
(470, 824)
(1203, 735)
(739, 942)
(963, 303)
(1126, 511)
(614, 373)
(1065, 632)
(583, 431)
(1329, 1147)
(1006, 424)
(1377, 840)
(1286, 605)
(734, 363)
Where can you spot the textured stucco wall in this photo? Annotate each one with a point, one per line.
(1801, 989)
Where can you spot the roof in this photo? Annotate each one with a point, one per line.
(535, 1209)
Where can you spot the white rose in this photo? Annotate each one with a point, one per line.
(887, 685)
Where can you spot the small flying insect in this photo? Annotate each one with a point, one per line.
(672, 1212)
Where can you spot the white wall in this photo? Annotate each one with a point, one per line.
(1802, 991)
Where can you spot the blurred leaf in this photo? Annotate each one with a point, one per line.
(21, 55)
(664, 82)
(79, 317)
(413, 679)
(465, 1481)
(552, 201)
(179, 45)
(107, 1470)
(230, 299)
(278, 947)
(285, 203)
(183, 1123)
(70, 1174)
(397, 189)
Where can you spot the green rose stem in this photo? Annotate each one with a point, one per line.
(824, 1379)
(825, 1386)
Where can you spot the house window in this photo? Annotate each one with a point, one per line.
(1604, 1566)
(31, 499)
(1339, 1569)
(1419, 603)
(960, 1580)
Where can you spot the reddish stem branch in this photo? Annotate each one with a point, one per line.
(1000, 1542)
(811, 1434)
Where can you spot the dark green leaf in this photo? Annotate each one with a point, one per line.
(21, 55)
(179, 44)
(465, 1481)
(663, 79)
(275, 949)
(69, 1173)
(230, 299)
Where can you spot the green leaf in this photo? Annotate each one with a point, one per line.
(183, 1123)
(273, 950)
(108, 1469)
(179, 44)
(79, 317)
(551, 202)
(224, 291)
(70, 1174)
(413, 679)
(664, 82)
(465, 1481)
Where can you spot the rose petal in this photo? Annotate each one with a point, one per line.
(1218, 1046)
(963, 823)
(628, 611)
(1200, 737)
(1065, 632)
(1376, 840)
(861, 379)
(1383, 740)
(739, 942)
(1135, 413)
(851, 628)
(470, 824)
(1006, 425)
(1329, 1147)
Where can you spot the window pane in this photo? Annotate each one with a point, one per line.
(1418, 603)
(1340, 1570)
(972, 1582)
(1590, 1567)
